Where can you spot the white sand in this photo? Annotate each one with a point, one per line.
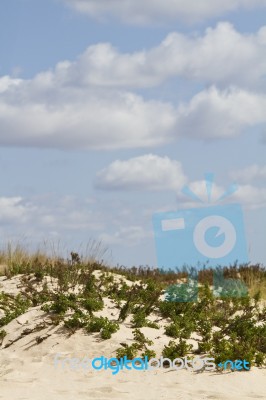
(27, 369)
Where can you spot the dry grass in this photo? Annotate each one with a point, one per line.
(16, 258)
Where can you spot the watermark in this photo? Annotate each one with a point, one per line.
(237, 365)
(144, 364)
(212, 235)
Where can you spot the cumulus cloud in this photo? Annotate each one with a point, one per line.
(6, 82)
(141, 12)
(148, 172)
(213, 114)
(88, 103)
(250, 174)
(151, 172)
(221, 55)
(35, 114)
(251, 197)
(67, 118)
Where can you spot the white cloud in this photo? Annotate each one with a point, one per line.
(217, 56)
(85, 103)
(81, 118)
(12, 209)
(250, 196)
(148, 172)
(138, 11)
(151, 172)
(74, 118)
(6, 82)
(250, 174)
(215, 114)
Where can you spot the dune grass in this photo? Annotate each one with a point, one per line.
(231, 324)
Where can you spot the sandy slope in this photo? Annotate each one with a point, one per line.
(27, 369)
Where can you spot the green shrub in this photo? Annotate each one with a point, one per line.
(173, 330)
(76, 321)
(140, 338)
(103, 325)
(2, 335)
(140, 344)
(140, 321)
(92, 304)
(13, 306)
(128, 351)
(174, 350)
(148, 353)
(182, 326)
(62, 303)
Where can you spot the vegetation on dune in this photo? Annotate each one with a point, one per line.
(140, 345)
(12, 306)
(230, 323)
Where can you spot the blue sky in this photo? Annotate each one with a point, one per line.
(107, 108)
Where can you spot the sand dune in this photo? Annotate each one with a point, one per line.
(27, 369)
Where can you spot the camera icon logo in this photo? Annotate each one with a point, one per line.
(226, 228)
(192, 237)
